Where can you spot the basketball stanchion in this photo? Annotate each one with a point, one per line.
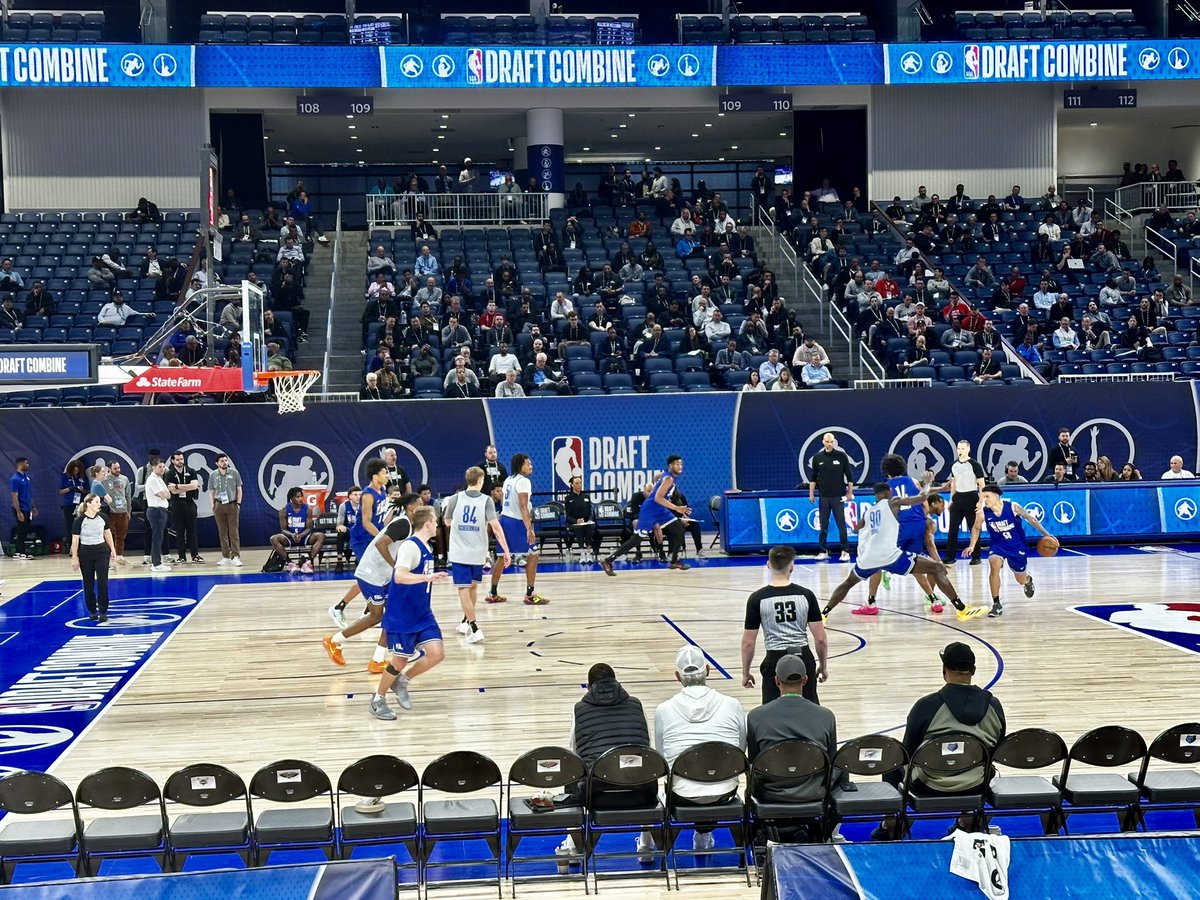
(290, 387)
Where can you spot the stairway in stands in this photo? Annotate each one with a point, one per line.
(345, 357)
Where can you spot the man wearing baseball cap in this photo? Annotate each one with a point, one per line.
(958, 708)
(695, 715)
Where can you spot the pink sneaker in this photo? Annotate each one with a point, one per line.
(868, 610)
(292, 568)
(307, 568)
(936, 608)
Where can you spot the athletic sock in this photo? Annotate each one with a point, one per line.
(338, 638)
(931, 598)
(957, 603)
(379, 696)
(474, 627)
(380, 654)
(871, 601)
(464, 618)
(995, 601)
(529, 590)
(341, 605)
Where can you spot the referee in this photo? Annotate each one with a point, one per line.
(830, 468)
(966, 481)
(785, 612)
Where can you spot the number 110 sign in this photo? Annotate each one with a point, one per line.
(759, 103)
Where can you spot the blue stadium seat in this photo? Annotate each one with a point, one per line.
(588, 383)
(618, 383)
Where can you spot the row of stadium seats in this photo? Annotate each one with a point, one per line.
(267, 29)
(1078, 25)
(777, 29)
(61, 28)
(505, 29)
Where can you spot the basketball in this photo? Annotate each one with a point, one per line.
(1047, 545)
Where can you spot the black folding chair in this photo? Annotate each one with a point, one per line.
(610, 521)
(953, 758)
(788, 787)
(550, 522)
(1017, 795)
(120, 837)
(375, 778)
(207, 785)
(714, 510)
(873, 755)
(291, 781)
(549, 769)
(626, 768)
(1102, 792)
(42, 839)
(712, 762)
(461, 772)
(1167, 789)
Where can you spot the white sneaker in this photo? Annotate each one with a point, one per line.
(224, 561)
(845, 557)
(703, 841)
(645, 846)
(122, 561)
(822, 556)
(464, 628)
(145, 560)
(236, 562)
(323, 239)
(161, 567)
(339, 617)
(370, 806)
(475, 636)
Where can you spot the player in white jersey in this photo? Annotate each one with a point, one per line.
(372, 576)
(879, 551)
(469, 515)
(516, 518)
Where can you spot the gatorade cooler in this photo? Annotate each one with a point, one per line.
(314, 496)
(338, 499)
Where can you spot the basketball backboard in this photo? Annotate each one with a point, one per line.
(254, 345)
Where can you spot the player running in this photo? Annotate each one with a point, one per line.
(413, 632)
(372, 576)
(469, 515)
(879, 551)
(658, 510)
(1007, 541)
(371, 511)
(516, 518)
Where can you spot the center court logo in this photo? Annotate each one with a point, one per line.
(292, 464)
(1173, 624)
(408, 458)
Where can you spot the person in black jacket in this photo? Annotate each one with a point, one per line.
(581, 520)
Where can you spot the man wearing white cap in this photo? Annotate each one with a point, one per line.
(695, 715)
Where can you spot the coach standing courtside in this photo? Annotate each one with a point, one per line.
(184, 485)
(966, 481)
(830, 468)
(225, 492)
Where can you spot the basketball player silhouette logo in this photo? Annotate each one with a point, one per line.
(290, 465)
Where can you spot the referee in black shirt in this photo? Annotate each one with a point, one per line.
(966, 481)
(830, 468)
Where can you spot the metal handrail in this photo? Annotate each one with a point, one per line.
(337, 250)
(868, 364)
(1167, 247)
(1120, 376)
(890, 383)
(1153, 194)
(1193, 274)
(398, 210)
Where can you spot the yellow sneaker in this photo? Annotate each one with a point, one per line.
(334, 650)
(970, 612)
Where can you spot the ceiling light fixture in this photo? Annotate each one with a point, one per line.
(658, 148)
(445, 115)
(633, 115)
(586, 149)
(708, 124)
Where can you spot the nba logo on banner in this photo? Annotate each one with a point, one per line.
(971, 61)
(566, 461)
(475, 66)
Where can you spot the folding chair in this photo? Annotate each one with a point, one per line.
(376, 777)
(712, 762)
(120, 837)
(42, 839)
(291, 781)
(1007, 795)
(1172, 788)
(870, 755)
(797, 766)
(626, 768)
(714, 510)
(546, 768)
(549, 520)
(1106, 747)
(947, 755)
(207, 785)
(458, 773)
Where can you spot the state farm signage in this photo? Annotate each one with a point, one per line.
(179, 379)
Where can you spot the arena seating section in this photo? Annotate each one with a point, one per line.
(1053, 26)
(778, 29)
(59, 28)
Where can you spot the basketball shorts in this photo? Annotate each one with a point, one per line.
(912, 538)
(1018, 560)
(517, 537)
(902, 565)
(359, 545)
(408, 643)
(374, 594)
(464, 575)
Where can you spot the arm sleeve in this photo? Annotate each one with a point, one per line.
(754, 613)
(341, 513)
(919, 718)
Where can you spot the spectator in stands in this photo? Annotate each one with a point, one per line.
(813, 373)
(429, 294)
(926, 241)
(890, 327)
(502, 363)
(562, 306)
(1090, 473)
(578, 197)
(276, 361)
(1176, 470)
(959, 203)
(1161, 219)
(918, 322)
(380, 262)
(1135, 341)
(99, 276)
(957, 307)
(730, 358)
(754, 383)
(426, 263)
(1105, 259)
(424, 363)
(9, 316)
(383, 352)
(370, 389)
(455, 335)
(540, 374)
(1179, 294)
(934, 212)
(992, 230)
(11, 279)
(468, 177)
(980, 275)
(461, 381)
(1060, 308)
(1129, 472)
(1012, 475)
(615, 355)
(421, 230)
(650, 259)
(1092, 337)
(761, 188)
(919, 201)
(145, 211)
(1065, 337)
(687, 245)
(1050, 228)
(956, 337)
(1014, 202)
(869, 317)
(809, 351)
(683, 223)
(907, 259)
(508, 386)
(1059, 475)
(895, 211)
(1049, 200)
(231, 315)
(987, 369)
(1028, 349)
(509, 194)
(987, 336)
(116, 312)
(753, 336)
(39, 301)
(771, 368)
(1105, 470)
(291, 250)
(717, 330)
(1189, 227)
(1147, 316)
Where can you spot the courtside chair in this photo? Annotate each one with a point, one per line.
(948, 754)
(1008, 795)
(288, 827)
(1106, 747)
(467, 819)
(380, 777)
(626, 768)
(709, 763)
(1175, 788)
(206, 786)
(120, 837)
(870, 756)
(550, 769)
(38, 838)
(714, 510)
(787, 764)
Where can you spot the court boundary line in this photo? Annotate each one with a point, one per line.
(683, 634)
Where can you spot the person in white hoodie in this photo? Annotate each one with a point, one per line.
(695, 715)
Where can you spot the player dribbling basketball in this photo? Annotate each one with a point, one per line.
(1008, 544)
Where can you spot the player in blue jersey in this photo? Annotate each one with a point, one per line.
(413, 633)
(1007, 542)
(372, 512)
(297, 528)
(658, 511)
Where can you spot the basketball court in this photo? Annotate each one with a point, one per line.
(239, 676)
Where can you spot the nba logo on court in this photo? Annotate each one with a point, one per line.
(971, 61)
(475, 66)
(1176, 624)
(566, 461)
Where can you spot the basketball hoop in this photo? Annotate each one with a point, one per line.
(290, 387)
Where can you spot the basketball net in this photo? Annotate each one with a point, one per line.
(290, 387)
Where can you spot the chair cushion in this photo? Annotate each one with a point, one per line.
(714, 812)
(946, 803)
(123, 833)
(32, 838)
(638, 815)
(522, 818)
(1096, 789)
(776, 811)
(460, 816)
(398, 820)
(1179, 786)
(1022, 792)
(281, 826)
(216, 829)
(871, 798)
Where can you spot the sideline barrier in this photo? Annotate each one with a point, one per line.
(1063, 868)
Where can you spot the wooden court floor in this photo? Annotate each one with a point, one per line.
(245, 681)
